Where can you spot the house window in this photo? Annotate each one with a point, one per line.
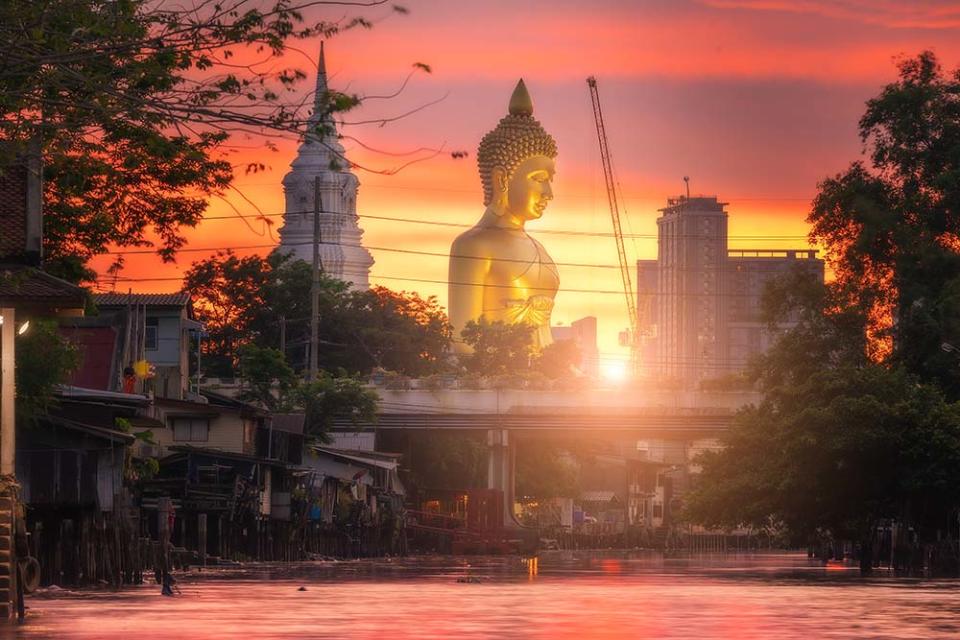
(150, 338)
(190, 429)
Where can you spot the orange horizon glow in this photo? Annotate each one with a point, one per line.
(756, 101)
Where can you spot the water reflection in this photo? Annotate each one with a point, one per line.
(556, 595)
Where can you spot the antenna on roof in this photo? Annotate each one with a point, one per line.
(686, 181)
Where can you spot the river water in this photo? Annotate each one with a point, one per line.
(561, 595)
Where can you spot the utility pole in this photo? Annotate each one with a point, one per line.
(315, 287)
(8, 430)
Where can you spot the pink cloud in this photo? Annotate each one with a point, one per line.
(896, 14)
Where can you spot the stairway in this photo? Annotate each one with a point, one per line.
(7, 585)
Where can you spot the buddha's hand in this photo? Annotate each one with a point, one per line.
(535, 310)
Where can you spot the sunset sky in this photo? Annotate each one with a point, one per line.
(755, 100)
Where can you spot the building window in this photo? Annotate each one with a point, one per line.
(191, 429)
(150, 337)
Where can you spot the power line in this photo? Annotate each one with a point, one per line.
(406, 251)
(462, 225)
(566, 194)
(619, 292)
(435, 254)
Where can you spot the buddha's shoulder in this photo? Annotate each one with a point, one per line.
(480, 237)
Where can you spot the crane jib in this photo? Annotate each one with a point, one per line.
(615, 217)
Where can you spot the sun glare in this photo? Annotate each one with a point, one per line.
(615, 372)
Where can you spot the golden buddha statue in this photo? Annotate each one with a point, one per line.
(497, 270)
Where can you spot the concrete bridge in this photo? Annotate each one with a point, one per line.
(692, 421)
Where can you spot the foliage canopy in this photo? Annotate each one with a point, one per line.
(859, 423)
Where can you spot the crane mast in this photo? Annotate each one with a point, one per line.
(617, 229)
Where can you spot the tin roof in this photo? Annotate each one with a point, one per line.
(289, 422)
(20, 284)
(118, 299)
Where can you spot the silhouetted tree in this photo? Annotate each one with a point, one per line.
(249, 299)
(859, 422)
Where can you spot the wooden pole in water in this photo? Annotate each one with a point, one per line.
(202, 538)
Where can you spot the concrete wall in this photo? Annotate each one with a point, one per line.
(491, 401)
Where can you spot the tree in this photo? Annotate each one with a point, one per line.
(892, 231)
(249, 300)
(267, 378)
(328, 398)
(859, 422)
(134, 104)
(397, 331)
(497, 348)
(545, 471)
(452, 461)
(270, 383)
(559, 359)
(45, 360)
(842, 452)
(226, 292)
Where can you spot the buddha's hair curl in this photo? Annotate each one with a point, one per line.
(516, 138)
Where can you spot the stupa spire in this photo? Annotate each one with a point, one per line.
(321, 155)
(320, 95)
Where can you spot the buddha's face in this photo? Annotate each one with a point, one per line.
(527, 191)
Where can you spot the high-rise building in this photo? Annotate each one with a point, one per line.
(699, 301)
(342, 254)
(583, 333)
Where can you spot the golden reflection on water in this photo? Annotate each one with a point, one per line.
(555, 595)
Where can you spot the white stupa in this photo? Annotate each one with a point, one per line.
(342, 254)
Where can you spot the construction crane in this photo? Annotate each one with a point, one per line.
(633, 337)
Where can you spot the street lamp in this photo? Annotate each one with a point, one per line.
(22, 329)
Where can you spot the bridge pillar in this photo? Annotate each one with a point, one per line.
(501, 467)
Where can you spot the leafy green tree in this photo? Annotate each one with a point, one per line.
(892, 230)
(268, 381)
(558, 360)
(498, 348)
(45, 360)
(329, 397)
(134, 104)
(249, 300)
(837, 455)
(859, 422)
(453, 461)
(267, 378)
(397, 331)
(545, 471)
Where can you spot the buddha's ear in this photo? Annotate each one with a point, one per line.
(500, 178)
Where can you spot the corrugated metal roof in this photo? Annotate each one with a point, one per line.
(89, 429)
(362, 457)
(20, 284)
(118, 299)
(289, 422)
(81, 393)
(597, 496)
